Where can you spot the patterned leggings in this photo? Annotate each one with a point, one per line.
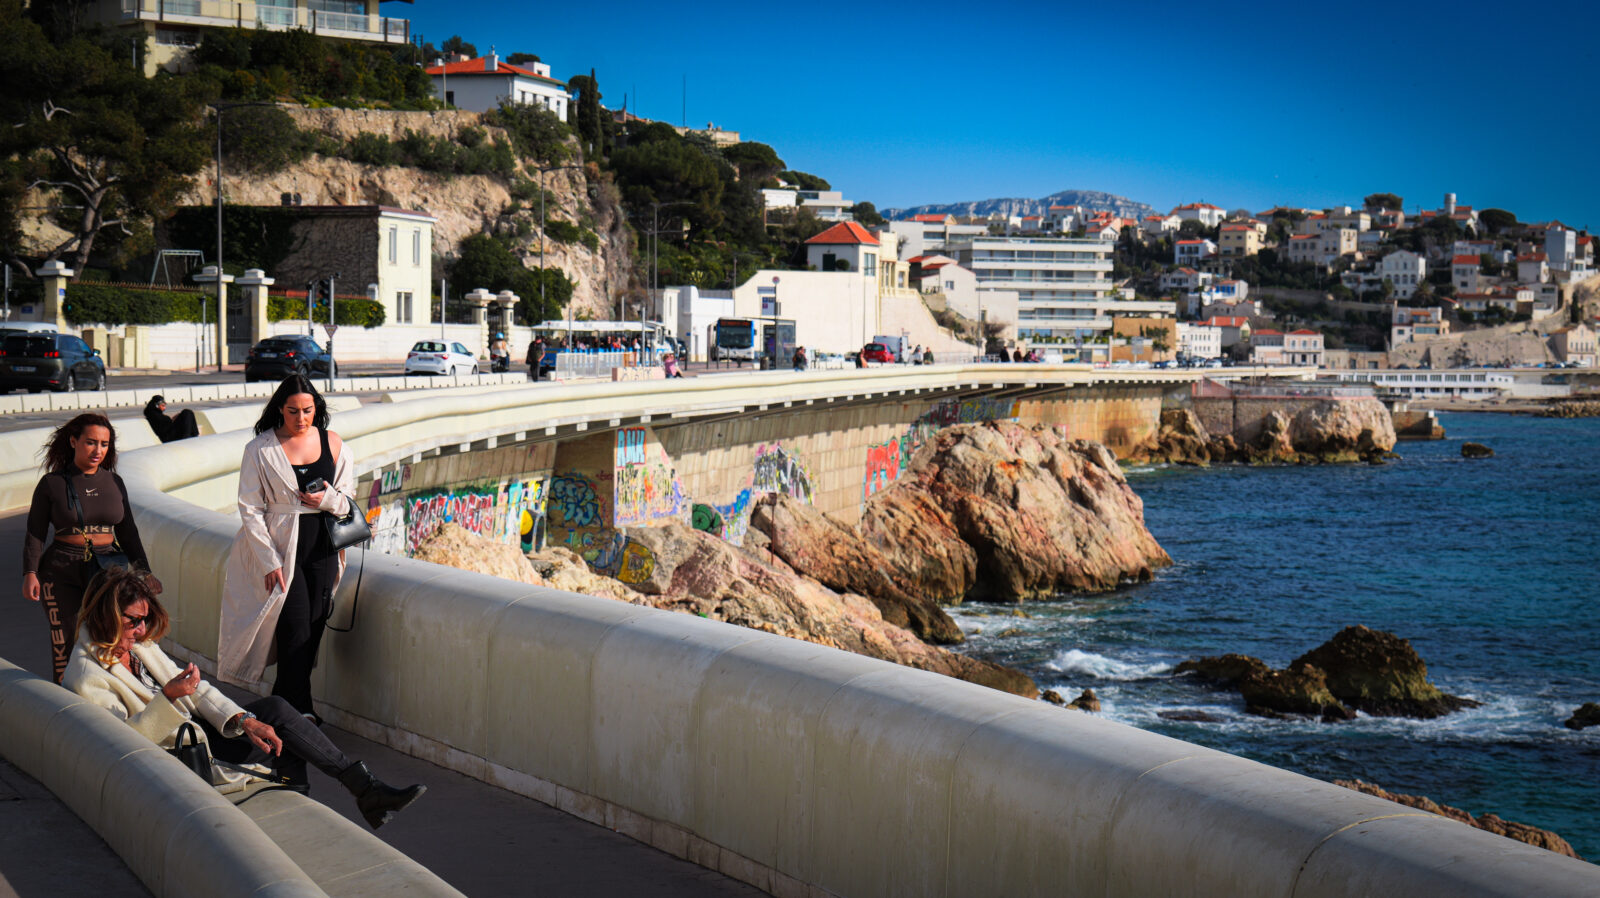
(63, 575)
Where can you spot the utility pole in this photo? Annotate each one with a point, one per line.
(222, 338)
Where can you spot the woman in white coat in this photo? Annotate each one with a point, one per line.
(118, 665)
(282, 570)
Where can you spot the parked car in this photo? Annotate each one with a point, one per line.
(877, 352)
(41, 360)
(439, 357)
(278, 357)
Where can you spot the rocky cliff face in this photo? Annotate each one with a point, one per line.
(1039, 514)
(463, 204)
(1333, 431)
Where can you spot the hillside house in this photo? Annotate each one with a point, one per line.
(1303, 347)
(846, 246)
(1239, 240)
(1575, 344)
(1205, 213)
(482, 84)
(1190, 252)
(1465, 273)
(1408, 324)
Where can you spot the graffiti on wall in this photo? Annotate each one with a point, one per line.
(885, 463)
(779, 471)
(646, 487)
(469, 507)
(704, 517)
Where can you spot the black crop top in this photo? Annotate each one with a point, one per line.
(105, 508)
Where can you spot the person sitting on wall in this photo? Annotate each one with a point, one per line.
(669, 365)
(170, 427)
(118, 665)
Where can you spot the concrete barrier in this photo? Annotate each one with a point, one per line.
(795, 767)
(174, 832)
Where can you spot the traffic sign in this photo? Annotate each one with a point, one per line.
(330, 328)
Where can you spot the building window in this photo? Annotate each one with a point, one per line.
(402, 308)
(394, 244)
(416, 246)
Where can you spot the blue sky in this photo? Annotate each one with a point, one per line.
(1241, 105)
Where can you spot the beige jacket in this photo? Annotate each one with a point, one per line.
(270, 514)
(152, 714)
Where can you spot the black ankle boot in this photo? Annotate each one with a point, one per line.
(377, 799)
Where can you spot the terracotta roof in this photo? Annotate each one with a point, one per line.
(1226, 321)
(1306, 237)
(928, 218)
(844, 233)
(1531, 257)
(1238, 227)
(478, 67)
(1198, 206)
(1465, 260)
(1304, 332)
(1190, 242)
(1269, 333)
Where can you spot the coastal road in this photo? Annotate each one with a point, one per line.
(480, 839)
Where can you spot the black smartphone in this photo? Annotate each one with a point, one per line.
(316, 485)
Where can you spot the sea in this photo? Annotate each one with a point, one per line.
(1487, 566)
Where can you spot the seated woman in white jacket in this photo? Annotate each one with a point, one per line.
(118, 665)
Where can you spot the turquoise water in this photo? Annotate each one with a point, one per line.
(1487, 566)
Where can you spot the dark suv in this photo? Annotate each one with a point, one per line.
(36, 361)
(278, 357)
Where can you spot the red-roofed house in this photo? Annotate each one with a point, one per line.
(1205, 213)
(1464, 273)
(1303, 347)
(480, 84)
(1532, 268)
(847, 246)
(1190, 252)
(1156, 225)
(935, 219)
(1234, 328)
(1239, 239)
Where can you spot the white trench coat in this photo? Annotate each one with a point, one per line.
(270, 514)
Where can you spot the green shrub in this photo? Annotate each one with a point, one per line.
(111, 304)
(367, 148)
(354, 311)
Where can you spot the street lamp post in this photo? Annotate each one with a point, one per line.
(222, 336)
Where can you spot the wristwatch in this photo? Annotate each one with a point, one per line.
(240, 718)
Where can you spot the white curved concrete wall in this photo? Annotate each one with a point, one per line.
(174, 832)
(787, 764)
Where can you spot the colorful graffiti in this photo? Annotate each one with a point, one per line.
(647, 492)
(631, 442)
(393, 479)
(883, 467)
(780, 471)
(704, 517)
(637, 564)
(574, 502)
(735, 517)
(471, 508)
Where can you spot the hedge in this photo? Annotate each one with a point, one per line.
(359, 312)
(114, 305)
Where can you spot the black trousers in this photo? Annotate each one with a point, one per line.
(305, 610)
(303, 743)
(63, 577)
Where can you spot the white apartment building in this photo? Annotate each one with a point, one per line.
(1303, 347)
(1405, 271)
(1190, 252)
(827, 205)
(1205, 213)
(480, 84)
(1063, 286)
(923, 234)
(1200, 341)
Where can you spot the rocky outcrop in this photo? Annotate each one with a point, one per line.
(1476, 450)
(1380, 674)
(838, 558)
(1587, 715)
(1522, 832)
(1043, 514)
(1584, 408)
(457, 547)
(1086, 701)
(919, 544)
(695, 572)
(1358, 669)
(1332, 431)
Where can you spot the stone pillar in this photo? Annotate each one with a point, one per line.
(253, 287)
(55, 276)
(209, 275)
(136, 346)
(507, 301)
(480, 299)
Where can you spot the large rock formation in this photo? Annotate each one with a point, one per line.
(1522, 832)
(1042, 513)
(1587, 715)
(1334, 431)
(1357, 670)
(838, 558)
(1381, 674)
(919, 544)
(455, 546)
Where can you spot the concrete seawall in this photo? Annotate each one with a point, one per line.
(797, 768)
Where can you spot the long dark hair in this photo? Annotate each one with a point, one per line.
(272, 415)
(58, 450)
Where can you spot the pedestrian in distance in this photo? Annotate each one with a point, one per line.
(535, 359)
(282, 569)
(669, 365)
(85, 503)
(799, 358)
(168, 428)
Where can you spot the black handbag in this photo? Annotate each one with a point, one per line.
(93, 562)
(344, 532)
(194, 754)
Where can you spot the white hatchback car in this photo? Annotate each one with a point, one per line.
(439, 357)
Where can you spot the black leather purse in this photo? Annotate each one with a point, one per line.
(194, 754)
(347, 531)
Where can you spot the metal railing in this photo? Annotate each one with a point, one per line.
(598, 363)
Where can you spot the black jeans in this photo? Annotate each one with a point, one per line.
(305, 610)
(303, 743)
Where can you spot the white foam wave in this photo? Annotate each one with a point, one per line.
(1074, 661)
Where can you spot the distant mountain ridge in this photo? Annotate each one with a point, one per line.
(1089, 199)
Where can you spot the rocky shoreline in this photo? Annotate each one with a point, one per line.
(1330, 432)
(1522, 832)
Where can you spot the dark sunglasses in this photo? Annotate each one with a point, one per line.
(134, 623)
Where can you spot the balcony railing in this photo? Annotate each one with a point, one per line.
(228, 13)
